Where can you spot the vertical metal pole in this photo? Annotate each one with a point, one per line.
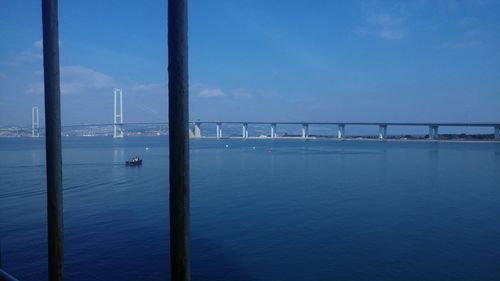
(53, 138)
(178, 139)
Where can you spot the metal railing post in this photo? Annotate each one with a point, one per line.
(178, 139)
(53, 138)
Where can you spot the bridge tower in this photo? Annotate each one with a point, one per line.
(35, 122)
(118, 114)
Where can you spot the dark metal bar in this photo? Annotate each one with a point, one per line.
(53, 138)
(178, 116)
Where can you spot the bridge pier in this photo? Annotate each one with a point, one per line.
(382, 131)
(305, 131)
(219, 130)
(340, 131)
(244, 134)
(273, 130)
(197, 130)
(433, 132)
(497, 133)
(35, 122)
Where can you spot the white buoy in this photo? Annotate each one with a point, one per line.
(227, 145)
(147, 148)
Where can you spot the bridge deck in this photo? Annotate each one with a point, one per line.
(445, 124)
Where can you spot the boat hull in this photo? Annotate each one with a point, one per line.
(134, 163)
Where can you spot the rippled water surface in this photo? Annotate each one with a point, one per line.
(261, 210)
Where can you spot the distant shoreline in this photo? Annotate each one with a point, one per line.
(446, 139)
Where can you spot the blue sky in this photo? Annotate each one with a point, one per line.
(427, 60)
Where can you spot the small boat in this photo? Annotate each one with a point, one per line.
(136, 161)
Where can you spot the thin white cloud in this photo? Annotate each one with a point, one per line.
(29, 57)
(149, 88)
(205, 91)
(211, 93)
(385, 26)
(480, 3)
(392, 34)
(39, 44)
(79, 79)
(384, 20)
(76, 79)
(241, 93)
(35, 88)
(462, 45)
(468, 21)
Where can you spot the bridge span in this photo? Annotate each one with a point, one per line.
(196, 127)
(382, 126)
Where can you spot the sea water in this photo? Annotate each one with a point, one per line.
(260, 210)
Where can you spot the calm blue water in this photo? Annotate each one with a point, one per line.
(261, 210)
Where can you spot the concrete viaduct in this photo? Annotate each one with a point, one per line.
(433, 127)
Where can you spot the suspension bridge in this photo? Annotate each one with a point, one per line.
(338, 128)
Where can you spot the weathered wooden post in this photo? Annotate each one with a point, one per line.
(178, 139)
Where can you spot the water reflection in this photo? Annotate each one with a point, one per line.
(118, 155)
(36, 157)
